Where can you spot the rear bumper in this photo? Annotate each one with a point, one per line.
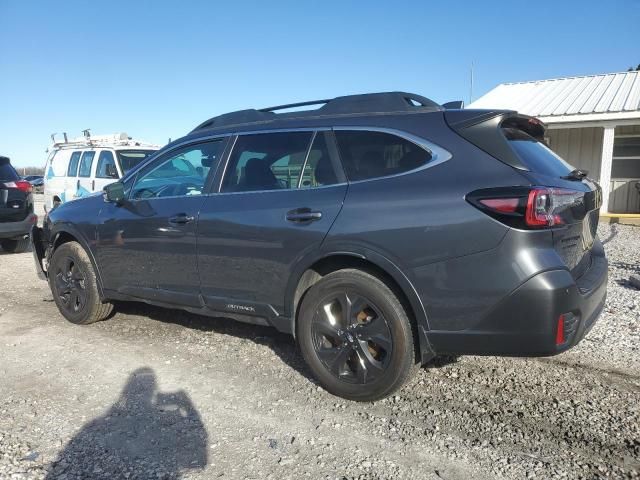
(18, 229)
(525, 323)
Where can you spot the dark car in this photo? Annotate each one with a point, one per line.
(16, 209)
(36, 181)
(380, 230)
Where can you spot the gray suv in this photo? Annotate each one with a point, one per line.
(380, 230)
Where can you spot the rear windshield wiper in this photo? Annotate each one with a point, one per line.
(576, 174)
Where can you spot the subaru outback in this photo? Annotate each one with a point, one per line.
(380, 230)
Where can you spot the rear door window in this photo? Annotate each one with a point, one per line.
(366, 155)
(535, 155)
(72, 171)
(266, 161)
(85, 164)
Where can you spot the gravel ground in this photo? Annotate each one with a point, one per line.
(165, 394)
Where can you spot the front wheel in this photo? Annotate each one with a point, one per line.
(74, 286)
(356, 336)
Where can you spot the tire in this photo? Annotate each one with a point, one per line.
(74, 287)
(15, 246)
(367, 357)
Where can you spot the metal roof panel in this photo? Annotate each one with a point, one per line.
(611, 92)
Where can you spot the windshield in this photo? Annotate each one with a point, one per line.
(132, 158)
(536, 155)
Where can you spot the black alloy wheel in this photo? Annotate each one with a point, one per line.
(74, 286)
(355, 335)
(352, 338)
(70, 286)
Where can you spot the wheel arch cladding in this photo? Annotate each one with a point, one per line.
(382, 270)
(67, 235)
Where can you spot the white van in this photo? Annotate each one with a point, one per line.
(78, 167)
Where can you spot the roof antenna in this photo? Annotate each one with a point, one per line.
(471, 83)
(86, 133)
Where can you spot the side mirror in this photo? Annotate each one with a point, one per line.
(114, 192)
(112, 171)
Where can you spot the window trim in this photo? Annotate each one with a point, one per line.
(438, 155)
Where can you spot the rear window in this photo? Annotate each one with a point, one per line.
(132, 158)
(368, 155)
(7, 172)
(535, 155)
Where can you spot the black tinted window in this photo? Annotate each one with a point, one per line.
(73, 164)
(7, 172)
(106, 165)
(318, 170)
(266, 161)
(536, 156)
(367, 155)
(85, 164)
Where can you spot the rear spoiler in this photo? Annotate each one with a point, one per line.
(483, 128)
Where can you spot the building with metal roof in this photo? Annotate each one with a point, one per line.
(593, 122)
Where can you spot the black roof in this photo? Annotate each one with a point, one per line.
(369, 103)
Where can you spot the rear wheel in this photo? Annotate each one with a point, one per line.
(15, 246)
(74, 286)
(355, 336)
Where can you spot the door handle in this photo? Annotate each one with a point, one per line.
(301, 215)
(181, 219)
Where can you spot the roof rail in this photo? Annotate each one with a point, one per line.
(385, 102)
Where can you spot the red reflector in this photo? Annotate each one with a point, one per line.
(560, 331)
(505, 205)
(23, 186)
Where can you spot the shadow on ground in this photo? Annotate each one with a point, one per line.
(281, 344)
(145, 434)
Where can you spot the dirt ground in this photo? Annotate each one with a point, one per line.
(152, 393)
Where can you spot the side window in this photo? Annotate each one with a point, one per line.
(182, 172)
(266, 161)
(85, 164)
(106, 165)
(367, 155)
(319, 171)
(72, 171)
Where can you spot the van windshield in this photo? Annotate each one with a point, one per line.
(132, 158)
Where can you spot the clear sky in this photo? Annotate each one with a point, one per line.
(155, 69)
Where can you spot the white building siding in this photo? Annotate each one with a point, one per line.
(581, 147)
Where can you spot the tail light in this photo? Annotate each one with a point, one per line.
(21, 185)
(530, 207)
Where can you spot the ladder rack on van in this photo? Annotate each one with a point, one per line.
(88, 141)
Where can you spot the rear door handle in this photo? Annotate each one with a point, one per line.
(181, 219)
(301, 215)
